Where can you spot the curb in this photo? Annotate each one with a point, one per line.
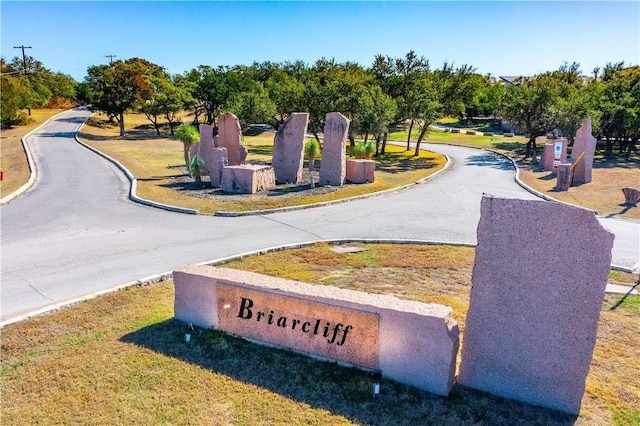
(133, 181)
(446, 167)
(33, 169)
(531, 190)
(156, 278)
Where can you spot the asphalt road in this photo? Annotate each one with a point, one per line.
(76, 233)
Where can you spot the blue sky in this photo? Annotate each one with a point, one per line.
(501, 38)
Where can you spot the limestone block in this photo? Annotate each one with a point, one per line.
(509, 135)
(631, 196)
(455, 130)
(407, 341)
(547, 157)
(583, 142)
(230, 137)
(487, 134)
(333, 165)
(538, 286)
(361, 171)
(288, 148)
(219, 160)
(247, 179)
(564, 177)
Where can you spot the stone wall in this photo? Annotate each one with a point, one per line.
(407, 341)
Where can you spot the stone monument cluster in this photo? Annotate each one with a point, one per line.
(577, 168)
(224, 156)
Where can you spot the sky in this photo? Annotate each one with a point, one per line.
(500, 38)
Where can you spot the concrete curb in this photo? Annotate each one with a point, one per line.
(133, 181)
(33, 169)
(531, 190)
(446, 167)
(156, 278)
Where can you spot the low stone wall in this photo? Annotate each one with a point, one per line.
(361, 171)
(247, 179)
(407, 341)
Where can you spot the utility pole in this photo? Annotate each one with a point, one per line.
(24, 64)
(110, 58)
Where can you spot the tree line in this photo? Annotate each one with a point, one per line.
(29, 84)
(392, 92)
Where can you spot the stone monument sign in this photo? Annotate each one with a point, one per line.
(538, 284)
(410, 342)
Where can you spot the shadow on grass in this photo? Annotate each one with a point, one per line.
(339, 390)
(625, 209)
(513, 147)
(489, 160)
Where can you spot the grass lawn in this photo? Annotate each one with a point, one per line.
(603, 194)
(121, 358)
(13, 161)
(157, 163)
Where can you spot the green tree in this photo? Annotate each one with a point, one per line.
(528, 104)
(121, 86)
(188, 135)
(251, 107)
(168, 100)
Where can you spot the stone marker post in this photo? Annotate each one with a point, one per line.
(334, 158)
(538, 284)
(288, 148)
(584, 142)
(206, 145)
(230, 137)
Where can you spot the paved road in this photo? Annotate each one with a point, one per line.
(76, 233)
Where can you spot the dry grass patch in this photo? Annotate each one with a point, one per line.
(603, 194)
(13, 161)
(157, 162)
(121, 358)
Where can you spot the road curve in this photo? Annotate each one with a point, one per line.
(76, 232)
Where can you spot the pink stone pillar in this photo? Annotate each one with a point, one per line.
(584, 142)
(530, 331)
(334, 157)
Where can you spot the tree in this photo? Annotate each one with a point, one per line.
(618, 100)
(528, 104)
(400, 78)
(188, 135)
(251, 107)
(121, 86)
(168, 100)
